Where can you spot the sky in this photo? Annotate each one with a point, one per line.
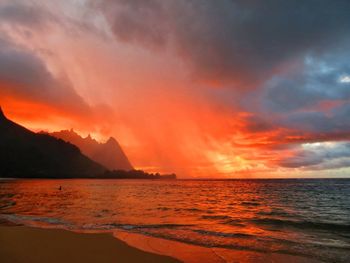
(202, 88)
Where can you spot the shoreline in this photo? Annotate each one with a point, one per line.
(22, 244)
(189, 253)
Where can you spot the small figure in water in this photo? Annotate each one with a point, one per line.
(60, 188)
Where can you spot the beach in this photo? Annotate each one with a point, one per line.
(189, 253)
(21, 244)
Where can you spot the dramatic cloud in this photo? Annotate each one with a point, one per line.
(17, 12)
(243, 42)
(24, 75)
(320, 156)
(32, 87)
(198, 87)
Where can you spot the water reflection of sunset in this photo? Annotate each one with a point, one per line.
(250, 215)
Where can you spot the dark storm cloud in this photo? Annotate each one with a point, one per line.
(17, 12)
(336, 120)
(23, 74)
(315, 99)
(332, 164)
(22, 67)
(287, 56)
(27, 17)
(320, 156)
(319, 79)
(141, 22)
(244, 42)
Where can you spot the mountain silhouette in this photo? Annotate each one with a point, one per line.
(25, 154)
(109, 154)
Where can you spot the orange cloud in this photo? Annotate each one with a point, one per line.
(186, 99)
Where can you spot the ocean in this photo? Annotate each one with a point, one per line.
(306, 217)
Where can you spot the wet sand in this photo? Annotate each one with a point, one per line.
(19, 244)
(196, 254)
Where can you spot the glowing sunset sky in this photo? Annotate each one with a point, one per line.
(240, 88)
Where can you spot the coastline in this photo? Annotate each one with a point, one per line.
(189, 253)
(28, 244)
(22, 244)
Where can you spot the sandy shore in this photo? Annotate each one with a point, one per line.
(196, 254)
(19, 244)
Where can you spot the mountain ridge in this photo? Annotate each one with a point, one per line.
(109, 154)
(25, 154)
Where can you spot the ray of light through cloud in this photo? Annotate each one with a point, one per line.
(232, 89)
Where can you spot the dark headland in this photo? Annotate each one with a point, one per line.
(26, 154)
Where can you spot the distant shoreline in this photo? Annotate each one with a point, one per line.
(178, 179)
(82, 178)
(119, 174)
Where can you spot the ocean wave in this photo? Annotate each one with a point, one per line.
(163, 208)
(32, 220)
(7, 205)
(222, 234)
(145, 226)
(302, 224)
(215, 217)
(234, 222)
(28, 219)
(273, 213)
(250, 203)
(192, 209)
(209, 239)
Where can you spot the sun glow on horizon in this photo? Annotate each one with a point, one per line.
(211, 100)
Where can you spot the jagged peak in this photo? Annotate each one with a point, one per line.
(112, 140)
(89, 138)
(70, 132)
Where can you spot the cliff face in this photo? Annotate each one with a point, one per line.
(25, 154)
(109, 154)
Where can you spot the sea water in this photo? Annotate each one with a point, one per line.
(306, 217)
